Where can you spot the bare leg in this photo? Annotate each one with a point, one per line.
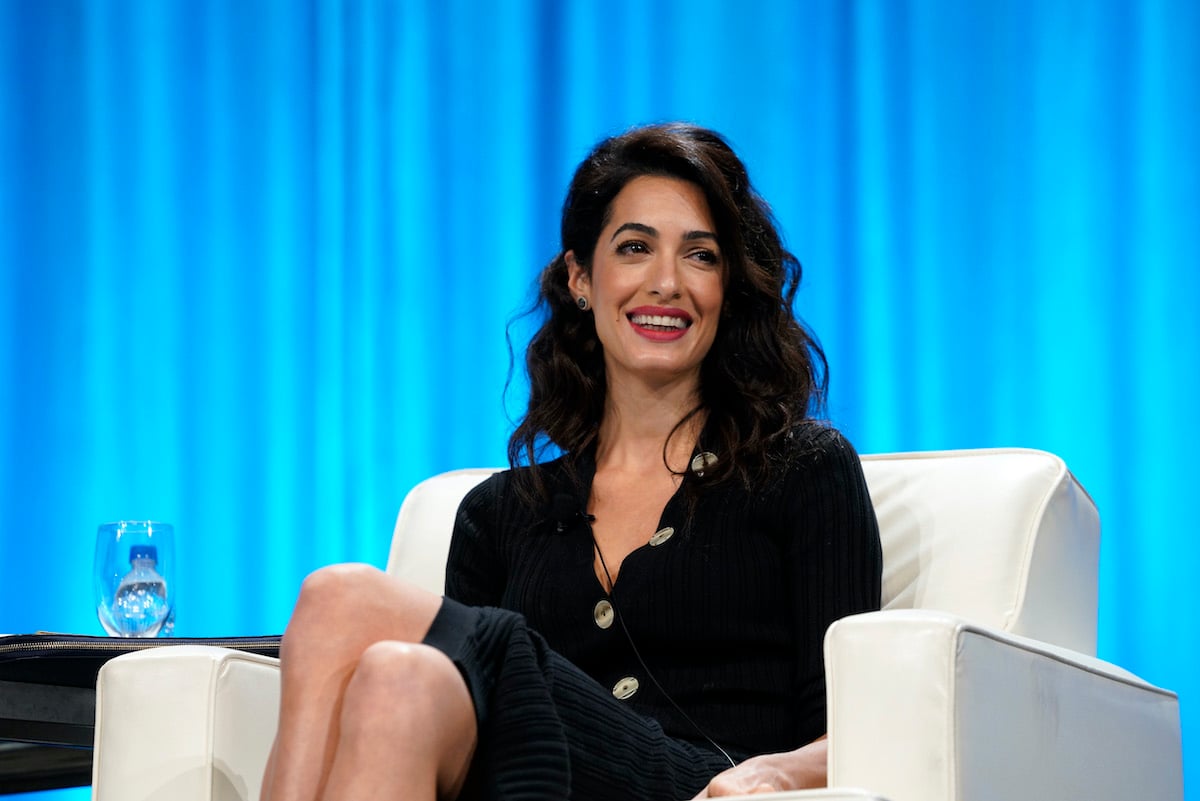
(342, 610)
(407, 728)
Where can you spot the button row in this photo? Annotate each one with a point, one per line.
(603, 613)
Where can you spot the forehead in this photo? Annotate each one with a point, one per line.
(662, 202)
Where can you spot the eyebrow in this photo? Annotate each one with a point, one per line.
(651, 231)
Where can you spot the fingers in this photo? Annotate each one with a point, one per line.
(736, 783)
(725, 789)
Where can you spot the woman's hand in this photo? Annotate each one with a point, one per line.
(792, 770)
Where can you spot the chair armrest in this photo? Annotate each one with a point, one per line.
(184, 723)
(924, 706)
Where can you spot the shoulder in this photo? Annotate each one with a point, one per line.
(818, 468)
(517, 494)
(823, 494)
(814, 445)
(487, 490)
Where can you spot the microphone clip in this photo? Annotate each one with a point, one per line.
(568, 513)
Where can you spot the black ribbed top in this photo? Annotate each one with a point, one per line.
(728, 614)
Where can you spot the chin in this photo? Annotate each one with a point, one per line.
(664, 373)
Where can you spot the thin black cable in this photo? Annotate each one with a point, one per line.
(642, 662)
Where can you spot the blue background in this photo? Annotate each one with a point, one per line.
(257, 259)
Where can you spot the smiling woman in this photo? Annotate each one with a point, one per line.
(641, 617)
(763, 370)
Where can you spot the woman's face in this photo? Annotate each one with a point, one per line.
(656, 284)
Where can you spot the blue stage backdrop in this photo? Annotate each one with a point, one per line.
(257, 259)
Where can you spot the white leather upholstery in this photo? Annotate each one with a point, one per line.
(184, 723)
(923, 706)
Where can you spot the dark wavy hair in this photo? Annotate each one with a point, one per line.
(765, 374)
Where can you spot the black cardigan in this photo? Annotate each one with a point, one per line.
(726, 616)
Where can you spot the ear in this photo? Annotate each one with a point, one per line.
(578, 280)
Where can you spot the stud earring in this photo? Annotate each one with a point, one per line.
(582, 303)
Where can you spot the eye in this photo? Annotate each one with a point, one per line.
(631, 246)
(706, 256)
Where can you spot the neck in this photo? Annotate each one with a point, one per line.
(639, 418)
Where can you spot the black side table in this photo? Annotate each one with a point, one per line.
(48, 702)
(45, 736)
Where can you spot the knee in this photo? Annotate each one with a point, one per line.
(327, 596)
(390, 670)
(397, 684)
(338, 581)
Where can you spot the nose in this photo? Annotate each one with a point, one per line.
(663, 280)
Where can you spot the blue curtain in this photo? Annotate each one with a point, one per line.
(257, 259)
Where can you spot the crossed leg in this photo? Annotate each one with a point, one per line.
(365, 710)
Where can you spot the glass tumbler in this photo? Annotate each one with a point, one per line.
(133, 578)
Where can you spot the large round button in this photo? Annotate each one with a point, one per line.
(662, 535)
(702, 461)
(603, 613)
(625, 688)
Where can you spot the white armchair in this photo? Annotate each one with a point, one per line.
(977, 682)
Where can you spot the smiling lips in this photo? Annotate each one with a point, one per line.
(660, 324)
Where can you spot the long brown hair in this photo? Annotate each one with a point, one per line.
(765, 374)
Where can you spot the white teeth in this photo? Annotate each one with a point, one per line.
(660, 320)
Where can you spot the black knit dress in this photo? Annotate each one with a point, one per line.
(712, 635)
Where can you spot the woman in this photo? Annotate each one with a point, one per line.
(670, 576)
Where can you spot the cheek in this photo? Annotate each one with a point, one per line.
(715, 297)
(608, 323)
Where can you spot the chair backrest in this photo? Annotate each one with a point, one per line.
(1006, 538)
(421, 539)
